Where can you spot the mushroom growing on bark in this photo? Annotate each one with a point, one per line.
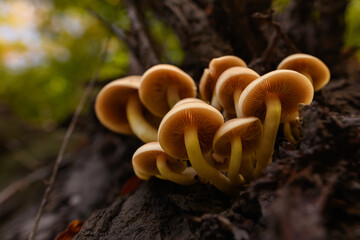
(162, 86)
(187, 132)
(210, 76)
(315, 70)
(119, 109)
(274, 98)
(236, 138)
(231, 84)
(151, 160)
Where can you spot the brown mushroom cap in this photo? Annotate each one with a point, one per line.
(308, 65)
(205, 86)
(171, 130)
(248, 129)
(292, 88)
(110, 105)
(218, 65)
(155, 83)
(144, 161)
(230, 80)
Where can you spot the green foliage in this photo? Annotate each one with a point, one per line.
(352, 19)
(44, 83)
(280, 5)
(166, 38)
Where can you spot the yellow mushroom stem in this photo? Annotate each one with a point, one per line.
(198, 162)
(214, 102)
(235, 161)
(137, 122)
(172, 96)
(236, 96)
(295, 128)
(247, 166)
(165, 171)
(288, 132)
(271, 126)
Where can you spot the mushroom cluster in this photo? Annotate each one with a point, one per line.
(227, 136)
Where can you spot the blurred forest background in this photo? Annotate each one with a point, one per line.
(49, 50)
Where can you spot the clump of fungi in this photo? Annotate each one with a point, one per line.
(226, 137)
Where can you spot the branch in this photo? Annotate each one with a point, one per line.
(64, 144)
(145, 48)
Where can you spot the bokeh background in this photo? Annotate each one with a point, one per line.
(49, 51)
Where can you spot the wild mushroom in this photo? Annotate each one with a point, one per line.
(274, 98)
(187, 131)
(119, 109)
(231, 84)
(151, 160)
(235, 139)
(210, 76)
(314, 69)
(162, 86)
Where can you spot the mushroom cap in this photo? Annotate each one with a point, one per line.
(218, 65)
(171, 130)
(110, 104)
(205, 86)
(144, 161)
(188, 100)
(292, 88)
(305, 63)
(155, 82)
(230, 80)
(248, 129)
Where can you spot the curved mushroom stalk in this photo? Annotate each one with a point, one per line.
(140, 126)
(151, 160)
(271, 126)
(205, 170)
(315, 71)
(187, 131)
(235, 162)
(236, 138)
(274, 98)
(247, 166)
(118, 108)
(288, 133)
(183, 178)
(231, 84)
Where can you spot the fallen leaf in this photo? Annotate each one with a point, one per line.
(71, 230)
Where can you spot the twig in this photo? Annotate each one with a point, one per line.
(120, 34)
(268, 19)
(145, 50)
(64, 144)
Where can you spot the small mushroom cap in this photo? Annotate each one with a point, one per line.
(218, 65)
(205, 86)
(110, 105)
(188, 100)
(155, 83)
(248, 129)
(171, 130)
(292, 88)
(144, 161)
(230, 80)
(307, 64)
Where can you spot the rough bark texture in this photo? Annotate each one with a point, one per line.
(310, 191)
